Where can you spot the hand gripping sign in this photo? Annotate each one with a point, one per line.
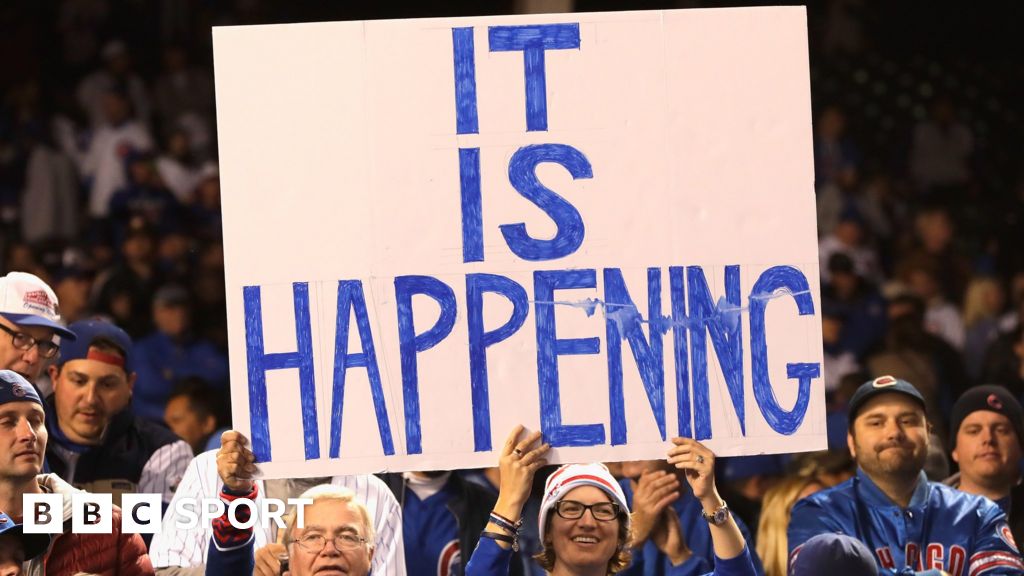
(599, 225)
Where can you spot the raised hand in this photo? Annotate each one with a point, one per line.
(699, 464)
(236, 464)
(519, 461)
(655, 490)
(669, 538)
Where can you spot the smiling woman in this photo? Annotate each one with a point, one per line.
(584, 518)
(587, 522)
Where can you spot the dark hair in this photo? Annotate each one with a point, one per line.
(841, 263)
(618, 562)
(202, 398)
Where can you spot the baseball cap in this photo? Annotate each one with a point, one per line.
(572, 476)
(881, 385)
(32, 544)
(14, 388)
(835, 555)
(992, 398)
(28, 301)
(88, 332)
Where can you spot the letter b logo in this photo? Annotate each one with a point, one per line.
(91, 513)
(44, 513)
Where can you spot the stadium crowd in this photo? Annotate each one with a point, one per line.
(110, 206)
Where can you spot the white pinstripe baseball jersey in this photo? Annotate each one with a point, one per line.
(187, 548)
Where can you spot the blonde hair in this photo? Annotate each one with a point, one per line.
(776, 510)
(976, 300)
(331, 492)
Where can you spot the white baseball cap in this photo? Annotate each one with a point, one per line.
(28, 301)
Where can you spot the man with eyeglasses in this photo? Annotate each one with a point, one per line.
(232, 473)
(29, 320)
(336, 538)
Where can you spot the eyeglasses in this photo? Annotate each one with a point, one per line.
(315, 543)
(25, 342)
(573, 510)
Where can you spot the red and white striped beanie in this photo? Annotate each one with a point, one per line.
(573, 476)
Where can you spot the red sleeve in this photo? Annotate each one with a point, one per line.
(225, 535)
(133, 558)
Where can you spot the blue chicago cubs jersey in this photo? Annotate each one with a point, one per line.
(942, 528)
(431, 535)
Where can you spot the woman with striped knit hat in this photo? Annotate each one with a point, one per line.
(584, 519)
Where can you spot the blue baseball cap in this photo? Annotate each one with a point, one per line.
(882, 385)
(89, 331)
(835, 555)
(14, 388)
(28, 301)
(32, 544)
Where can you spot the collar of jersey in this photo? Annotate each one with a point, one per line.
(872, 495)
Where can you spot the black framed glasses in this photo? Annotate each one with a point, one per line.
(25, 342)
(315, 543)
(573, 510)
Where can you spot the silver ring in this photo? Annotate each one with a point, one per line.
(700, 459)
(518, 452)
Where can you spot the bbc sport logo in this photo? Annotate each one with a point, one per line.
(141, 513)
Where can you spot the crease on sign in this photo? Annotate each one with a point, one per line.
(625, 316)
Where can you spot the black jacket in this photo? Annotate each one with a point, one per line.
(135, 455)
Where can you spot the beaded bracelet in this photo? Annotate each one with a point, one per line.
(506, 524)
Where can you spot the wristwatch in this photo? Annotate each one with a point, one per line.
(719, 516)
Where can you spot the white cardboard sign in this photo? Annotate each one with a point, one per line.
(601, 226)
